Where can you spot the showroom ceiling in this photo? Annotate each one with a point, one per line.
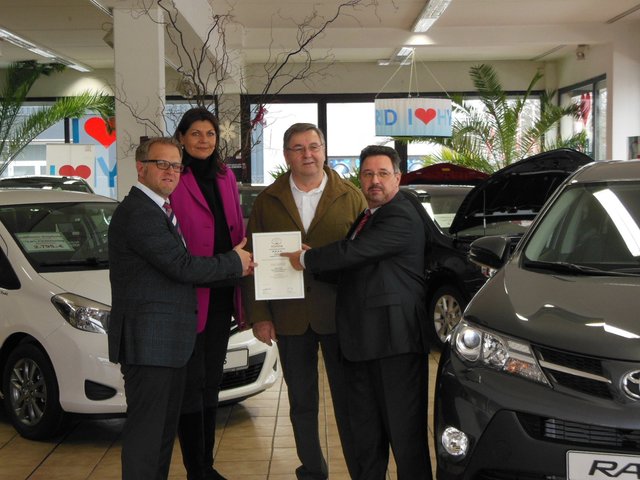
(469, 30)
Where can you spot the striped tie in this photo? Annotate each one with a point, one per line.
(172, 218)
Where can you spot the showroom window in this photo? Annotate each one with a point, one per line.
(591, 96)
(32, 159)
(348, 122)
(271, 122)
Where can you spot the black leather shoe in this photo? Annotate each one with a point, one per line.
(214, 475)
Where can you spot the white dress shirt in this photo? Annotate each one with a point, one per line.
(307, 202)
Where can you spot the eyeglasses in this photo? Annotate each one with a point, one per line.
(382, 174)
(313, 148)
(164, 165)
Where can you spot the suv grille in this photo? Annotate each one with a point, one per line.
(553, 429)
(576, 372)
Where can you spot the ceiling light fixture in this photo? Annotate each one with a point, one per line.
(99, 6)
(42, 53)
(429, 14)
(404, 52)
(402, 56)
(21, 42)
(581, 51)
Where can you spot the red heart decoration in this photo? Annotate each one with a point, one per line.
(96, 128)
(426, 115)
(80, 171)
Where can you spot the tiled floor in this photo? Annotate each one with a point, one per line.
(255, 442)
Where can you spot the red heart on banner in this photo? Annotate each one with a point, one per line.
(426, 115)
(80, 171)
(96, 128)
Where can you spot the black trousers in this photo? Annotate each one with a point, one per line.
(154, 398)
(299, 360)
(205, 368)
(388, 404)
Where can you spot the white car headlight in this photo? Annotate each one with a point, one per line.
(83, 313)
(484, 347)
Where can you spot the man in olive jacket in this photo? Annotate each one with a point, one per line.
(314, 200)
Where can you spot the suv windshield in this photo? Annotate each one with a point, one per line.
(61, 236)
(589, 229)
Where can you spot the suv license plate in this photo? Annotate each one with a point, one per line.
(602, 466)
(236, 360)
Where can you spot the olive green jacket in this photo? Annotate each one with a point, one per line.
(275, 211)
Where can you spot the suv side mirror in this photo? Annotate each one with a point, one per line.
(492, 251)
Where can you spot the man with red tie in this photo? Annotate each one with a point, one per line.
(381, 321)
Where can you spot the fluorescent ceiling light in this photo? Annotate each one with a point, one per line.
(41, 52)
(80, 68)
(404, 52)
(21, 42)
(101, 7)
(15, 39)
(430, 13)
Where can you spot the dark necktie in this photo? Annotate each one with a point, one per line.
(365, 218)
(172, 218)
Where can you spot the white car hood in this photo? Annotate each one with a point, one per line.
(92, 284)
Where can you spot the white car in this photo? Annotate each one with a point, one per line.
(54, 314)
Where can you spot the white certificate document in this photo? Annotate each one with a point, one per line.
(274, 277)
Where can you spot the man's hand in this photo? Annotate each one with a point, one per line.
(245, 257)
(265, 332)
(294, 258)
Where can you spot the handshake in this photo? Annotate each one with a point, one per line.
(245, 257)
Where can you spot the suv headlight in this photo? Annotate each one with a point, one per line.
(83, 313)
(483, 347)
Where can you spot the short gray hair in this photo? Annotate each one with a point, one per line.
(300, 128)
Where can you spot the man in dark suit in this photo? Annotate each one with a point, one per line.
(153, 320)
(381, 321)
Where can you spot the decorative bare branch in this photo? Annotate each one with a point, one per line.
(206, 69)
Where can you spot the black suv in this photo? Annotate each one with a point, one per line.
(505, 203)
(541, 378)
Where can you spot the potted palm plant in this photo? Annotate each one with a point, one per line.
(16, 133)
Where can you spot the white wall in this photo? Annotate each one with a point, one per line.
(619, 60)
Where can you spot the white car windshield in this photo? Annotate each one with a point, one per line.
(590, 228)
(61, 236)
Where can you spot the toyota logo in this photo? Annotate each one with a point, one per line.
(631, 384)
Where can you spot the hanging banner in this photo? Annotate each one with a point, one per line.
(413, 117)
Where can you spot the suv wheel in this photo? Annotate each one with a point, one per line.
(31, 393)
(445, 312)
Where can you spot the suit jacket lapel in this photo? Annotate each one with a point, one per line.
(136, 192)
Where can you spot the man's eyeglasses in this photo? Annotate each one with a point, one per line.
(164, 165)
(382, 174)
(313, 148)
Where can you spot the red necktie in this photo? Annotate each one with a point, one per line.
(361, 223)
(172, 218)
